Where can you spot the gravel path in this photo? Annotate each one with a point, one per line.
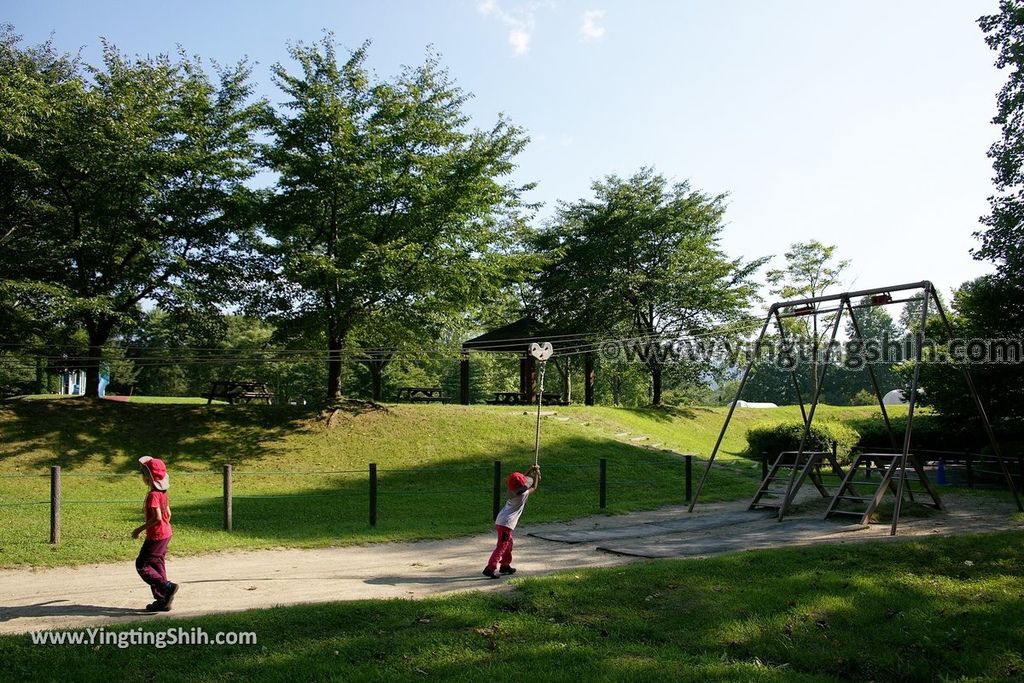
(94, 595)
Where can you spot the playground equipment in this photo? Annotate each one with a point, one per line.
(802, 464)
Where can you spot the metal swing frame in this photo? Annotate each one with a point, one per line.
(844, 302)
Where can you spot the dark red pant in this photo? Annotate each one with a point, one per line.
(503, 550)
(150, 565)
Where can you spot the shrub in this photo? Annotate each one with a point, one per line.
(773, 438)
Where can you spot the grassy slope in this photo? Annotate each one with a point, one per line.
(923, 610)
(443, 449)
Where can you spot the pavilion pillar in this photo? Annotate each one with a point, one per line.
(528, 378)
(588, 379)
(464, 380)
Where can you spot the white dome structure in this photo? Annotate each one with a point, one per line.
(895, 398)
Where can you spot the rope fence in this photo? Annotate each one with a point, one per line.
(369, 477)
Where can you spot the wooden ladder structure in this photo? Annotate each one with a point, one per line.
(799, 466)
(892, 467)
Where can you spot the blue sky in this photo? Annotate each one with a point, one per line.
(861, 123)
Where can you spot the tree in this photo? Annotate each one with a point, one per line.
(809, 272)
(642, 260)
(122, 184)
(384, 200)
(1003, 239)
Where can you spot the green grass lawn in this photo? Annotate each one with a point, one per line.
(937, 609)
(299, 483)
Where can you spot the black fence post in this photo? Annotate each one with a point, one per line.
(496, 501)
(373, 494)
(764, 466)
(689, 478)
(602, 483)
(969, 458)
(55, 504)
(229, 516)
(1020, 472)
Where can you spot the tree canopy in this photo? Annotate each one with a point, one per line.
(123, 183)
(642, 259)
(385, 199)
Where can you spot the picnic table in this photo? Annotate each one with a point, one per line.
(507, 398)
(421, 395)
(238, 391)
(515, 398)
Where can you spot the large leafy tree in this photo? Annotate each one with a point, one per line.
(1003, 239)
(123, 183)
(810, 270)
(387, 203)
(642, 260)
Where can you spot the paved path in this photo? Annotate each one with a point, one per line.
(96, 595)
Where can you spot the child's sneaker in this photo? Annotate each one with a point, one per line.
(489, 573)
(507, 570)
(169, 591)
(155, 606)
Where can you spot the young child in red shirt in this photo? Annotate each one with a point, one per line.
(520, 488)
(157, 510)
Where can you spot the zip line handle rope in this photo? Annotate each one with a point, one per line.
(541, 352)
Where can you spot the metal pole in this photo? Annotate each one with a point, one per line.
(910, 410)
(228, 494)
(819, 380)
(981, 412)
(732, 409)
(55, 504)
(373, 494)
(874, 378)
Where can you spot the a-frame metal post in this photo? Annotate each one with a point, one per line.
(981, 412)
(819, 381)
(732, 407)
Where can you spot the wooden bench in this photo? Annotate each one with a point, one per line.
(421, 395)
(238, 391)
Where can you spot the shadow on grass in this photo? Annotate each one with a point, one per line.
(80, 429)
(892, 611)
(454, 497)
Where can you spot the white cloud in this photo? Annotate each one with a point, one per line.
(519, 40)
(519, 22)
(589, 29)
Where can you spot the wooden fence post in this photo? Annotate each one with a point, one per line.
(689, 477)
(496, 500)
(229, 521)
(373, 494)
(55, 504)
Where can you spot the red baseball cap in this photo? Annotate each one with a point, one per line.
(517, 480)
(157, 472)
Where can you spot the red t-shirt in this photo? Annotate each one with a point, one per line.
(158, 499)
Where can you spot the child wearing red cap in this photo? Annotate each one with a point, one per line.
(520, 487)
(157, 510)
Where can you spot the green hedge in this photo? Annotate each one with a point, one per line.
(773, 438)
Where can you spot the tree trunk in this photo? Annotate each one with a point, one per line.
(563, 368)
(656, 384)
(335, 342)
(334, 369)
(99, 334)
